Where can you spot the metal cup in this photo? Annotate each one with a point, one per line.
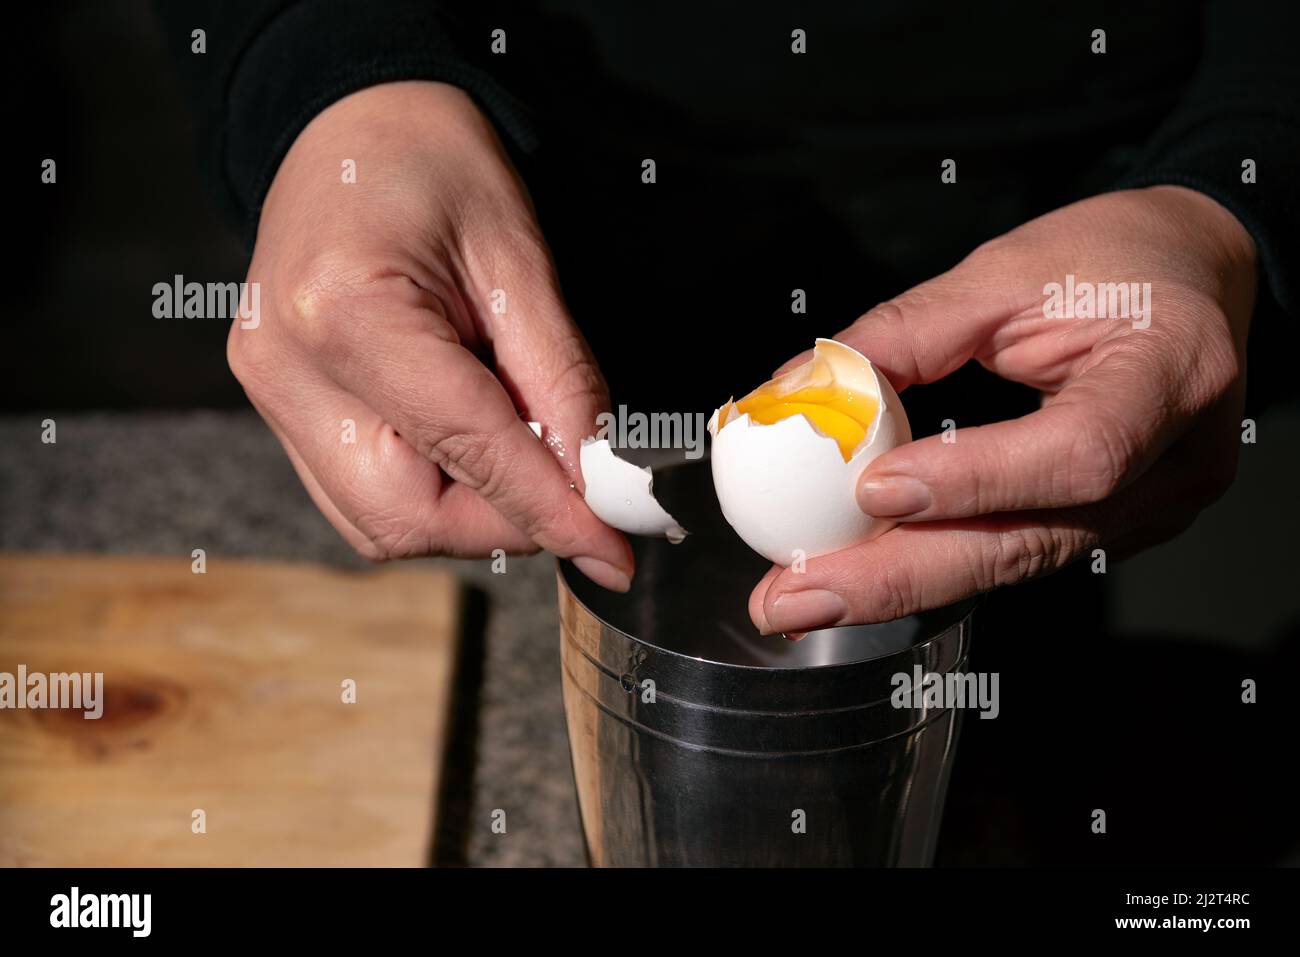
(698, 742)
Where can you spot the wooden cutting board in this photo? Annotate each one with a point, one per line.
(223, 694)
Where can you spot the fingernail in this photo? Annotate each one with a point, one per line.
(806, 610)
(603, 573)
(794, 635)
(892, 496)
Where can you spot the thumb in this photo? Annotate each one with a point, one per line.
(931, 330)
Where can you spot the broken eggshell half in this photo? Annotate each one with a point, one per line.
(788, 488)
(621, 494)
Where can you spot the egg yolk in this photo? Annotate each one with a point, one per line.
(835, 410)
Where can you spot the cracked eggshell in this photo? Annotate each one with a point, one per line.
(786, 487)
(620, 493)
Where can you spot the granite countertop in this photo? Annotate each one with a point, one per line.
(170, 482)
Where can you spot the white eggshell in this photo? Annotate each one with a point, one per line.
(619, 493)
(785, 488)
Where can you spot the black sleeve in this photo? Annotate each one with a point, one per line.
(272, 65)
(1243, 103)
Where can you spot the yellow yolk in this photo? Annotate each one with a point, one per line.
(835, 410)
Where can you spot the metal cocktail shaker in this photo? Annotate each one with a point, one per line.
(696, 741)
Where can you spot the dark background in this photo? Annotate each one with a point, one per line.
(1120, 691)
(93, 88)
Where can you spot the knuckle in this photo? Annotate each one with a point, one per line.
(390, 537)
(999, 564)
(888, 313)
(313, 310)
(579, 378)
(472, 459)
(1098, 459)
(1004, 246)
(1003, 255)
(891, 319)
(992, 253)
(890, 595)
(321, 311)
(1018, 554)
(561, 535)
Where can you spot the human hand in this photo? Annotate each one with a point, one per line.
(420, 304)
(1138, 428)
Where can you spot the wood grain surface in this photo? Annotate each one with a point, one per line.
(223, 692)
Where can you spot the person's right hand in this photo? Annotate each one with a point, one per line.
(381, 303)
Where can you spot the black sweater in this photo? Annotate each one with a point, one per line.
(777, 170)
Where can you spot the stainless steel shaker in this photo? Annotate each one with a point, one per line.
(697, 742)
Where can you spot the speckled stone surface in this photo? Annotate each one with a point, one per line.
(171, 482)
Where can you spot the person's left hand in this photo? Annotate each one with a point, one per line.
(1138, 430)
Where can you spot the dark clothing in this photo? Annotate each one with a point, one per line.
(778, 170)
